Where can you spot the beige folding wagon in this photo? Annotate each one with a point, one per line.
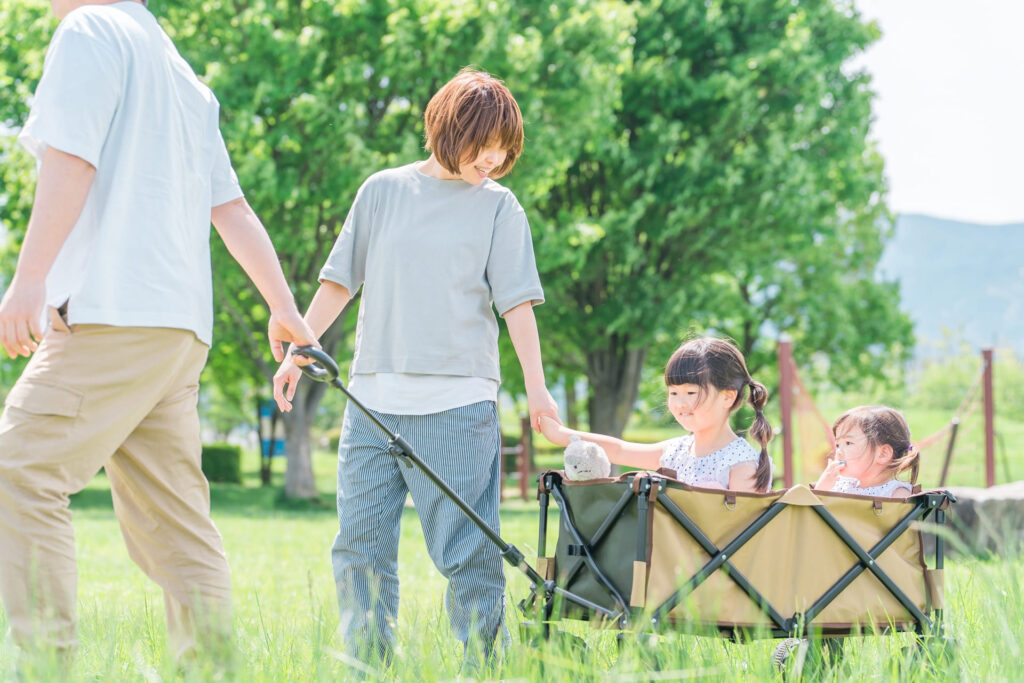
(644, 550)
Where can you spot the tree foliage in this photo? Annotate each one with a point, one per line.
(699, 167)
(738, 194)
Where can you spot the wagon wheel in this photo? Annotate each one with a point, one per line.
(796, 657)
(538, 635)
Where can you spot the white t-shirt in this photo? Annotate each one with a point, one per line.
(413, 394)
(116, 93)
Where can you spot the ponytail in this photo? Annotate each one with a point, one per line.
(761, 430)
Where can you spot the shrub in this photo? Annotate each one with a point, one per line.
(222, 462)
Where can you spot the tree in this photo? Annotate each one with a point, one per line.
(740, 157)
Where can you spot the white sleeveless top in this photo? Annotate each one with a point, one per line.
(713, 468)
(852, 485)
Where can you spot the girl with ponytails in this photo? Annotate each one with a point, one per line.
(707, 380)
(872, 447)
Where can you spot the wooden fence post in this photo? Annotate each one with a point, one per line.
(990, 419)
(785, 355)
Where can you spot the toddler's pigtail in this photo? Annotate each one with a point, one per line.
(761, 430)
(911, 461)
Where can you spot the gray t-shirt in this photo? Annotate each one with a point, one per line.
(432, 255)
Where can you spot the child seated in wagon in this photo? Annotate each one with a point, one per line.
(707, 380)
(872, 447)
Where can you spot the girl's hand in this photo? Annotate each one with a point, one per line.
(286, 379)
(553, 431)
(828, 477)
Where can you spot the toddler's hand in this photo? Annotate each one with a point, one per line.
(828, 477)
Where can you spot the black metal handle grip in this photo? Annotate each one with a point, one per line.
(323, 369)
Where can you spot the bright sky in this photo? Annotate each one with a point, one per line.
(949, 111)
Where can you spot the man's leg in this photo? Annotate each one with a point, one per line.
(162, 501)
(462, 446)
(371, 495)
(75, 403)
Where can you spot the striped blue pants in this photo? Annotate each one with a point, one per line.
(463, 447)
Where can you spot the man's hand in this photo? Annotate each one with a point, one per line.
(63, 185)
(20, 313)
(289, 328)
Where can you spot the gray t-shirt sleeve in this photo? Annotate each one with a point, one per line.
(511, 265)
(346, 264)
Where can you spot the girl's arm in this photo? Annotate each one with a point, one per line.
(522, 328)
(643, 455)
(743, 477)
(328, 302)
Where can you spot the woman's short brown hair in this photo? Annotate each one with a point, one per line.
(472, 111)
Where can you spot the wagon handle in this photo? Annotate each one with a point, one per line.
(322, 369)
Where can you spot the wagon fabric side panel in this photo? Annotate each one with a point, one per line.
(588, 507)
(791, 562)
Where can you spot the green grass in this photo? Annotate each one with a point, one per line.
(285, 610)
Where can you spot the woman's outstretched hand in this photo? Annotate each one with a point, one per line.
(540, 403)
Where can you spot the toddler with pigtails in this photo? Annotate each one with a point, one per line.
(707, 380)
(872, 447)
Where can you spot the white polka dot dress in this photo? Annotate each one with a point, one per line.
(852, 485)
(712, 469)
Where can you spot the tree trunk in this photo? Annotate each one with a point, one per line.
(572, 414)
(299, 482)
(614, 376)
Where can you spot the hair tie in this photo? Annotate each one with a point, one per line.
(910, 449)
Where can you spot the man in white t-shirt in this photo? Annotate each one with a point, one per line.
(132, 171)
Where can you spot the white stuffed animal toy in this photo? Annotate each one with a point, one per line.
(585, 460)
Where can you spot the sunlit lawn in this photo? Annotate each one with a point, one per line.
(285, 612)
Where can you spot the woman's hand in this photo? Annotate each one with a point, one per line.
(286, 380)
(540, 404)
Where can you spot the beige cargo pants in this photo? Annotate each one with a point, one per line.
(121, 398)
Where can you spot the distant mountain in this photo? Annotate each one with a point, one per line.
(961, 277)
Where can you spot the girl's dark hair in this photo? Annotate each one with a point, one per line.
(469, 112)
(884, 426)
(710, 362)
